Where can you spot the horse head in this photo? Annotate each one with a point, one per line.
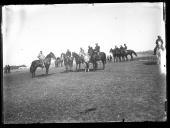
(111, 50)
(74, 54)
(90, 51)
(51, 55)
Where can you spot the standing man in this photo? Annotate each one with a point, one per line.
(41, 57)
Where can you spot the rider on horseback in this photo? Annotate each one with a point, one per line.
(121, 47)
(81, 53)
(68, 53)
(158, 45)
(41, 57)
(125, 47)
(97, 49)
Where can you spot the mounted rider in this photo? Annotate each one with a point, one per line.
(159, 44)
(121, 47)
(68, 54)
(81, 53)
(97, 49)
(41, 57)
(125, 47)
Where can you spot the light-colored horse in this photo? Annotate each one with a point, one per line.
(86, 60)
(161, 58)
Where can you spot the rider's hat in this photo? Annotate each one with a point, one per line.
(159, 36)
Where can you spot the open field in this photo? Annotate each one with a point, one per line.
(133, 90)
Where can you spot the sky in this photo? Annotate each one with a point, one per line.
(28, 29)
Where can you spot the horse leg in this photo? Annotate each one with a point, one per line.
(33, 74)
(103, 65)
(85, 67)
(93, 66)
(66, 68)
(46, 70)
(79, 65)
(131, 57)
(76, 66)
(119, 59)
(127, 58)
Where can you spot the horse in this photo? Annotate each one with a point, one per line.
(59, 62)
(109, 58)
(68, 61)
(94, 57)
(86, 61)
(130, 52)
(116, 54)
(159, 53)
(37, 63)
(79, 59)
(123, 54)
(7, 69)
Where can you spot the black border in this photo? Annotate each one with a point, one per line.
(110, 124)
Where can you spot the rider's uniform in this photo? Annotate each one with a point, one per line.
(68, 54)
(125, 47)
(82, 53)
(97, 49)
(41, 57)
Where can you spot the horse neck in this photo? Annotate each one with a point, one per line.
(75, 56)
(48, 58)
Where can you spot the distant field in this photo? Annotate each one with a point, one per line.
(133, 90)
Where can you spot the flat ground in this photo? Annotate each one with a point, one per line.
(132, 90)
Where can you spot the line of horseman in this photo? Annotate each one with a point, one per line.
(82, 53)
(92, 56)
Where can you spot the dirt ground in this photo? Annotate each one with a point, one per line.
(130, 91)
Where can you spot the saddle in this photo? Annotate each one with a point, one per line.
(42, 63)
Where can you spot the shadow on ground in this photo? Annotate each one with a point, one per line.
(150, 63)
(44, 75)
(80, 70)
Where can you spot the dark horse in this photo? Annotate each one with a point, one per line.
(121, 53)
(68, 61)
(116, 54)
(59, 62)
(37, 63)
(7, 69)
(129, 52)
(79, 59)
(94, 57)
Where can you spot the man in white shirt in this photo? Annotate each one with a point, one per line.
(41, 57)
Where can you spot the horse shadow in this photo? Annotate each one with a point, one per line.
(150, 63)
(44, 75)
(79, 70)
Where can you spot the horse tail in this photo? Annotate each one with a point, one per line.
(134, 53)
(104, 58)
(31, 68)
